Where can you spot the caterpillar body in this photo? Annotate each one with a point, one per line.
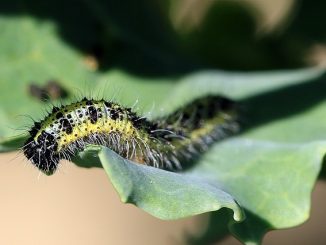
(165, 142)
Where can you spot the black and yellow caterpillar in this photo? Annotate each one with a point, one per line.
(165, 142)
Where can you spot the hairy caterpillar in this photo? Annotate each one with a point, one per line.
(165, 142)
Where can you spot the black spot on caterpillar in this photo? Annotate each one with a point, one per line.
(165, 142)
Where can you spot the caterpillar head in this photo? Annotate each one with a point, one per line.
(41, 151)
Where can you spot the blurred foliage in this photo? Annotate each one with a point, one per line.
(101, 47)
(142, 38)
(308, 24)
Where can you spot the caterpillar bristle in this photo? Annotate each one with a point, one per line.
(167, 142)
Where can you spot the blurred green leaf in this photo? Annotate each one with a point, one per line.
(39, 58)
(138, 38)
(143, 40)
(308, 22)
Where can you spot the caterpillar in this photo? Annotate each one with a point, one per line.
(52, 90)
(166, 142)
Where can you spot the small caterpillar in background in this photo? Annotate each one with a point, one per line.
(52, 90)
(166, 142)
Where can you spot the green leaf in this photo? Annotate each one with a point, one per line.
(271, 181)
(12, 143)
(40, 58)
(164, 194)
